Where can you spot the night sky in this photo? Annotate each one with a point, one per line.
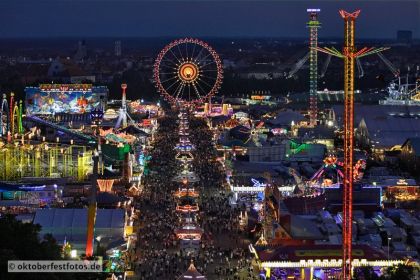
(152, 18)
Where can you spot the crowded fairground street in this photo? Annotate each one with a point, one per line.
(222, 251)
(209, 140)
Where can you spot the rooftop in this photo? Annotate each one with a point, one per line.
(324, 251)
(71, 223)
(192, 273)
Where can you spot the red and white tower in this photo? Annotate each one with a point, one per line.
(313, 25)
(349, 52)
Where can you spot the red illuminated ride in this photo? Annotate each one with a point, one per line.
(349, 55)
(322, 178)
(188, 71)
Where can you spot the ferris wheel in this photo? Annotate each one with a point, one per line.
(188, 71)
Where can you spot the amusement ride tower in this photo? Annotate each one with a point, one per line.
(124, 105)
(96, 116)
(349, 55)
(313, 25)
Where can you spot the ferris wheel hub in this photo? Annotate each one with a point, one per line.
(188, 72)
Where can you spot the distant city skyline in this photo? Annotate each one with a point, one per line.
(139, 18)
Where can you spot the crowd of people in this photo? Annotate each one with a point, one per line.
(222, 253)
(206, 164)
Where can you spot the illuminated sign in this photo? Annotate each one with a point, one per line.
(147, 122)
(260, 97)
(63, 98)
(277, 131)
(65, 87)
(248, 189)
(313, 10)
(260, 189)
(329, 263)
(326, 253)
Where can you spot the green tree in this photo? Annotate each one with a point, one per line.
(20, 241)
(365, 273)
(399, 272)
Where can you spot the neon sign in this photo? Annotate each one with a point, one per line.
(260, 97)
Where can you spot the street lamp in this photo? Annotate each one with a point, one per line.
(98, 244)
(389, 240)
(73, 254)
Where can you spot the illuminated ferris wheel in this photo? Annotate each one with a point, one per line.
(188, 71)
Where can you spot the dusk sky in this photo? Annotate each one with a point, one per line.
(142, 18)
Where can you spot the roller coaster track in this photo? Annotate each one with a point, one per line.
(82, 136)
(91, 139)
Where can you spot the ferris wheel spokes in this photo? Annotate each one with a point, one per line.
(197, 73)
(175, 56)
(196, 90)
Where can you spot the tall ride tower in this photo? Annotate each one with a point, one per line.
(96, 117)
(313, 25)
(349, 59)
(91, 215)
(349, 55)
(124, 105)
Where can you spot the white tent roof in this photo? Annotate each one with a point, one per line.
(192, 273)
(72, 223)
